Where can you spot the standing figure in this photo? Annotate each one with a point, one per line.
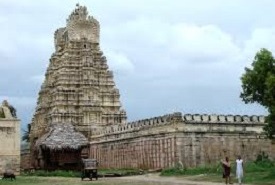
(239, 169)
(226, 169)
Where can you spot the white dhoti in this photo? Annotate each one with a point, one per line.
(239, 170)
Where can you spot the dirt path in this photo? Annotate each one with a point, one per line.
(148, 179)
(156, 179)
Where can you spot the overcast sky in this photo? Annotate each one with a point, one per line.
(167, 56)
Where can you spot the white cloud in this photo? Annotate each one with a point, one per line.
(119, 62)
(204, 43)
(189, 42)
(164, 53)
(260, 38)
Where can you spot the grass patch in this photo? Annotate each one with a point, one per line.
(63, 173)
(24, 180)
(258, 172)
(211, 169)
(56, 173)
(122, 172)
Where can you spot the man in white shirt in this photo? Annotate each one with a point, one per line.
(239, 170)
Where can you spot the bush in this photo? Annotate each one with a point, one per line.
(271, 173)
(261, 164)
(262, 157)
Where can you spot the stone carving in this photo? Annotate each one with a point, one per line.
(81, 26)
(79, 88)
(7, 110)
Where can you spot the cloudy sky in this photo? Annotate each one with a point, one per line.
(167, 56)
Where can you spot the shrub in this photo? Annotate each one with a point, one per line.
(262, 156)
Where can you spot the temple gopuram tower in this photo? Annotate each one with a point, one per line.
(78, 89)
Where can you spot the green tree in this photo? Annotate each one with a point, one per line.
(258, 85)
(26, 134)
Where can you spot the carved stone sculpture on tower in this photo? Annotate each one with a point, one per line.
(7, 110)
(79, 88)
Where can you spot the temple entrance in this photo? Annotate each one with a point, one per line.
(62, 159)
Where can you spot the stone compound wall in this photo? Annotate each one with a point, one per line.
(25, 162)
(150, 152)
(194, 140)
(9, 145)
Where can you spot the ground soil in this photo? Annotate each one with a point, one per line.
(156, 179)
(148, 179)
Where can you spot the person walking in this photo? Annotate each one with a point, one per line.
(239, 170)
(226, 170)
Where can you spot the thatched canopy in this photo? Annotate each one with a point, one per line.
(62, 137)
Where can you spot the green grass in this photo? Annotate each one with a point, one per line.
(262, 172)
(211, 169)
(24, 180)
(122, 172)
(57, 173)
(62, 173)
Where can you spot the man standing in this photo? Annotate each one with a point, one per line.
(239, 170)
(226, 169)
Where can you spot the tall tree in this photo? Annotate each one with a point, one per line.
(258, 85)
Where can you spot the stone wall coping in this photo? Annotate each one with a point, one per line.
(209, 118)
(177, 118)
(141, 124)
(147, 135)
(12, 153)
(132, 137)
(9, 119)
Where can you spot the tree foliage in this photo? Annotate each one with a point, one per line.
(26, 134)
(258, 85)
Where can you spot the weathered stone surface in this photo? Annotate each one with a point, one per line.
(79, 88)
(188, 139)
(25, 162)
(9, 140)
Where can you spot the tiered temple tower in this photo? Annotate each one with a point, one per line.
(78, 88)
